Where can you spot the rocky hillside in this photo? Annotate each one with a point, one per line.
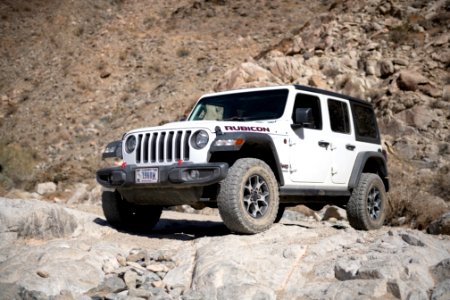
(70, 83)
(48, 251)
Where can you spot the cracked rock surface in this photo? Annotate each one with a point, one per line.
(191, 256)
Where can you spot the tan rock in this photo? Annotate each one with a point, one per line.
(317, 81)
(386, 68)
(409, 80)
(157, 268)
(247, 73)
(334, 212)
(286, 68)
(46, 188)
(446, 93)
(419, 116)
(354, 86)
(158, 284)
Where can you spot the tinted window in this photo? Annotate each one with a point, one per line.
(339, 118)
(365, 123)
(247, 106)
(308, 101)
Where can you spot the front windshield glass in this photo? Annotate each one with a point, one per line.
(246, 106)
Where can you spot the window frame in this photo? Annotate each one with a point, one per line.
(347, 121)
(319, 109)
(364, 138)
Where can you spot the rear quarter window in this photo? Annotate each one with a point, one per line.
(366, 129)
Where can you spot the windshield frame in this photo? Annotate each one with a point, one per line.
(238, 106)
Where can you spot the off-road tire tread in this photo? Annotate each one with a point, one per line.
(357, 214)
(229, 198)
(280, 213)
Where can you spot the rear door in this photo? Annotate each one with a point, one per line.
(343, 147)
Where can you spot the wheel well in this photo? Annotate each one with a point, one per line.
(376, 165)
(251, 150)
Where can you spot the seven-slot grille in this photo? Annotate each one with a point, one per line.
(163, 146)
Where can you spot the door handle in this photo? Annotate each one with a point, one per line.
(350, 147)
(324, 144)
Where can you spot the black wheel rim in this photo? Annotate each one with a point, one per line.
(374, 203)
(256, 196)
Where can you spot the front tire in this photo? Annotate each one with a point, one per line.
(366, 209)
(248, 199)
(124, 215)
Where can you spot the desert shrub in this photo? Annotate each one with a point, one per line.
(416, 200)
(18, 164)
(183, 52)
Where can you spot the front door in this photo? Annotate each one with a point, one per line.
(309, 150)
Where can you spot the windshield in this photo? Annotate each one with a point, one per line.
(246, 106)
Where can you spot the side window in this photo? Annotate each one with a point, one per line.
(365, 123)
(308, 101)
(339, 118)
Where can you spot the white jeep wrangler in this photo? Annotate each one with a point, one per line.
(251, 153)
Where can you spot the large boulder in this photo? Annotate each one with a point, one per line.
(420, 116)
(248, 74)
(441, 225)
(409, 80)
(41, 253)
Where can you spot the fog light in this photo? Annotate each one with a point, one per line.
(194, 174)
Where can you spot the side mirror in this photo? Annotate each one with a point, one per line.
(303, 117)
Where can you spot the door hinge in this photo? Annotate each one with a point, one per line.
(292, 170)
(333, 172)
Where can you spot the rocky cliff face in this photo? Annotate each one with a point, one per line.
(52, 252)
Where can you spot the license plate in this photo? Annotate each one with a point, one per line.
(147, 175)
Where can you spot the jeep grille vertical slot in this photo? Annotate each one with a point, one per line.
(186, 145)
(169, 147)
(163, 147)
(145, 148)
(139, 148)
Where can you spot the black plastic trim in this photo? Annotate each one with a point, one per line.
(360, 163)
(250, 138)
(312, 192)
(173, 175)
(117, 145)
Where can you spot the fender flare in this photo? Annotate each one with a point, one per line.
(360, 163)
(250, 138)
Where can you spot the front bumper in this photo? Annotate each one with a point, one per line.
(187, 175)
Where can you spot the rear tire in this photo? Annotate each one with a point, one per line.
(366, 209)
(127, 216)
(248, 199)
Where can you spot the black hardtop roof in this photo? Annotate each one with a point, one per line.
(330, 93)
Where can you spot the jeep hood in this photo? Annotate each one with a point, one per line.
(225, 126)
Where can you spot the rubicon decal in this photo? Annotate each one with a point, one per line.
(247, 128)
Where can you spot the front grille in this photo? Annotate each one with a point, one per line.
(163, 146)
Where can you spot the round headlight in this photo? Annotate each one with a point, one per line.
(130, 144)
(201, 139)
